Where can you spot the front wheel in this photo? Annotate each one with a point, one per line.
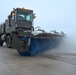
(8, 41)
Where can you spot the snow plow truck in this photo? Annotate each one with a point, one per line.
(19, 33)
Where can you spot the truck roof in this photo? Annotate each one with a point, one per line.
(23, 9)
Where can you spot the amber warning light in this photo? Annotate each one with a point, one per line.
(24, 9)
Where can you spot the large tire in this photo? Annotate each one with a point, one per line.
(8, 41)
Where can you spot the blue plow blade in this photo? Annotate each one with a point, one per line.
(38, 46)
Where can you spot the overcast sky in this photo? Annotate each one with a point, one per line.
(57, 15)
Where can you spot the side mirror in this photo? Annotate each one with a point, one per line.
(34, 16)
(13, 13)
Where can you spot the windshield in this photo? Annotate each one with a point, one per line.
(24, 16)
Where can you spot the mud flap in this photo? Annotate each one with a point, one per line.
(19, 44)
(1, 42)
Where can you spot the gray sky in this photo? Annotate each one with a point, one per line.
(57, 15)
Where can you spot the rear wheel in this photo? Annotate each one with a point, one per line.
(8, 41)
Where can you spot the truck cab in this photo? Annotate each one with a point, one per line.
(19, 19)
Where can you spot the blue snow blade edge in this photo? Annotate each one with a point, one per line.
(38, 46)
